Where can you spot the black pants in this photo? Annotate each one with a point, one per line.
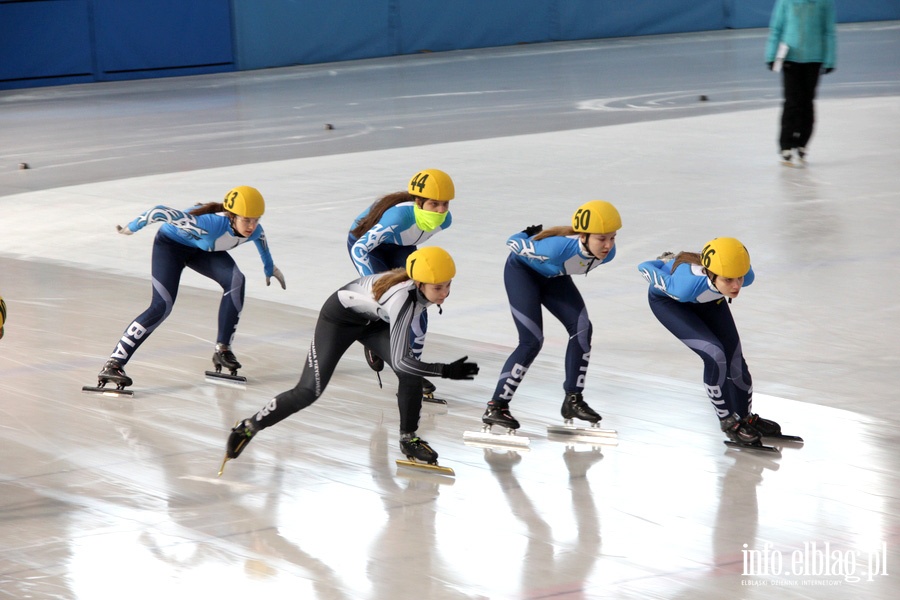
(336, 330)
(798, 114)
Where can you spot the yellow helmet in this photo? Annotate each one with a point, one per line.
(430, 265)
(432, 184)
(596, 216)
(245, 201)
(726, 257)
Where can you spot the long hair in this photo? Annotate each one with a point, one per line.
(690, 258)
(558, 231)
(392, 278)
(210, 208)
(378, 209)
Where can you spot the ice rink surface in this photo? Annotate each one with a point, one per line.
(111, 498)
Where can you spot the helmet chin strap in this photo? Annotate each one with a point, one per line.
(422, 295)
(587, 251)
(582, 239)
(712, 280)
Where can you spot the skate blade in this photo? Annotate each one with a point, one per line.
(432, 400)
(761, 448)
(575, 439)
(483, 439)
(236, 381)
(791, 440)
(582, 431)
(111, 392)
(420, 466)
(222, 468)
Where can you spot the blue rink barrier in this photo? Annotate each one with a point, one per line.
(52, 42)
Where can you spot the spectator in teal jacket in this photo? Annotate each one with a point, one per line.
(802, 44)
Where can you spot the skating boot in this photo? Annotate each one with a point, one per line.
(113, 372)
(428, 390)
(764, 427)
(496, 413)
(741, 435)
(801, 156)
(787, 158)
(375, 362)
(417, 449)
(574, 407)
(420, 455)
(224, 357)
(240, 436)
(769, 429)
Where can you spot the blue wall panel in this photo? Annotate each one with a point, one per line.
(746, 14)
(438, 25)
(44, 39)
(849, 11)
(44, 42)
(615, 18)
(137, 35)
(755, 13)
(271, 33)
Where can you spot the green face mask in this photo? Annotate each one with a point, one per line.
(427, 220)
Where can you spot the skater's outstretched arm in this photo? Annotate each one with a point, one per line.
(262, 245)
(164, 214)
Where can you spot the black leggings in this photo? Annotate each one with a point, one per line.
(336, 330)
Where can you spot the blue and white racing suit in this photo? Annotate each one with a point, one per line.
(539, 273)
(199, 243)
(688, 304)
(386, 245)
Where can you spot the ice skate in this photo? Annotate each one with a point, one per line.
(428, 390)
(375, 362)
(113, 372)
(224, 357)
(770, 429)
(420, 455)
(496, 414)
(801, 156)
(741, 435)
(240, 436)
(787, 158)
(574, 407)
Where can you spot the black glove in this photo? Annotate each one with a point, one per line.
(770, 65)
(827, 70)
(460, 369)
(532, 230)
